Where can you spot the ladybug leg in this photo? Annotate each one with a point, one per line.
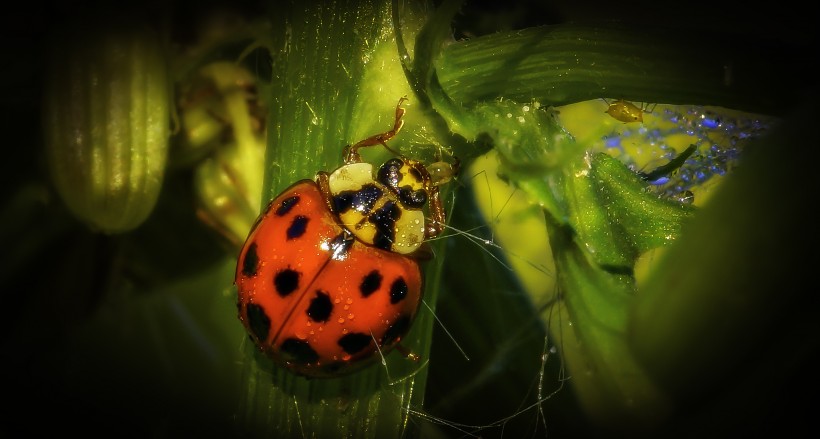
(442, 173)
(351, 153)
(437, 216)
(323, 180)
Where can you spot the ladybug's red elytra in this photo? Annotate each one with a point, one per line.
(328, 278)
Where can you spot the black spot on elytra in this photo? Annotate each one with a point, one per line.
(258, 321)
(384, 219)
(287, 205)
(398, 290)
(320, 307)
(370, 283)
(354, 342)
(286, 281)
(396, 331)
(297, 226)
(250, 263)
(335, 367)
(298, 351)
(361, 200)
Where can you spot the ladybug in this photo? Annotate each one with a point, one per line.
(329, 278)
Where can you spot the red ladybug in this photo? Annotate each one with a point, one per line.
(328, 278)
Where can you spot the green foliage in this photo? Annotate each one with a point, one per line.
(140, 328)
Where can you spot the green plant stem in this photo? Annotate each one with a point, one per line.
(567, 63)
(320, 100)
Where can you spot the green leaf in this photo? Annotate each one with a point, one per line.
(646, 220)
(730, 307)
(590, 324)
(600, 218)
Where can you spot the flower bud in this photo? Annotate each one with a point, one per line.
(107, 125)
